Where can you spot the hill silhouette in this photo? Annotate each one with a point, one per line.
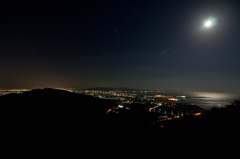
(61, 118)
(52, 121)
(54, 111)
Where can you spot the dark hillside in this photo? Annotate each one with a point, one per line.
(53, 111)
(61, 119)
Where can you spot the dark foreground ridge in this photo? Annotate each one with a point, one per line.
(52, 105)
(57, 119)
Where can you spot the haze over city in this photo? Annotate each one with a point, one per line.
(136, 44)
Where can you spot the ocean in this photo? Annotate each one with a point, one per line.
(207, 100)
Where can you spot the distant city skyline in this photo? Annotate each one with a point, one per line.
(112, 43)
(205, 100)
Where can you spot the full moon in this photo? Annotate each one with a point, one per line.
(208, 23)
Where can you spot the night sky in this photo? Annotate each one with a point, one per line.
(118, 43)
